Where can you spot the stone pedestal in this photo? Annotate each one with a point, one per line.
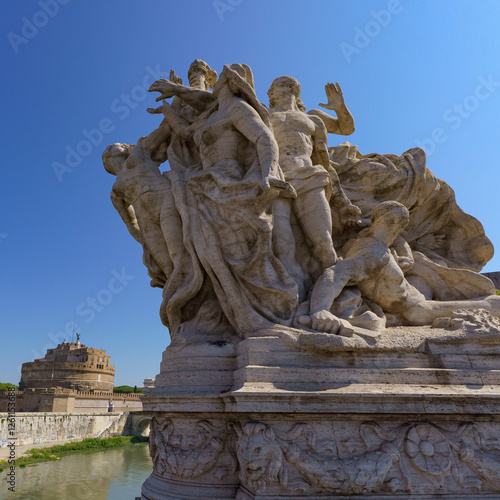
(416, 414)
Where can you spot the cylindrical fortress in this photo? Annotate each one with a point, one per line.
(71, 366)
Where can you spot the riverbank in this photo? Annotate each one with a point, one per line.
(45, 454)
(111, 474)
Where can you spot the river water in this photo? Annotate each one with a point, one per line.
(115, 474)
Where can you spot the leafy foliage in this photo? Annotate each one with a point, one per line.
(6, 386)
(127, 389)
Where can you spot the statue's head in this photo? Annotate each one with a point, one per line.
(391, 213)
(239, 77)
(114, 157)
(236, 80)
(283, 87)
(201, 75)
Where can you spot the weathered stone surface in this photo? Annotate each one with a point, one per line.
(331, 333)
(300, 423)
(495, 277)
(322, 456)
(41, 427)
(245, 230)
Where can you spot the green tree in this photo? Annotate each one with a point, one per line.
(6, 386)
(126, 389)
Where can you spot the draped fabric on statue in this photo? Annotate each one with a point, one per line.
(448, 283)
(187, 277)
(234, 245)
(227, 237)
(370, 179)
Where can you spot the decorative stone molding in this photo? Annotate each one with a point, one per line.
(391, 461)
(191, 454)
(283, 458)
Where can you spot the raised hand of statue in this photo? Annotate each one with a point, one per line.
(165, 87)
(164, 108)
(174, 78)
(405, 263)
(350, 215)
(334, 95)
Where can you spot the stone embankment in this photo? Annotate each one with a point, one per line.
(53, 428)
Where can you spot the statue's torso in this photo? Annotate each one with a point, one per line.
(293, 131)
(218, 139)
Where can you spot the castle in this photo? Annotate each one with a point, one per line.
(70, 366)
(71, 378)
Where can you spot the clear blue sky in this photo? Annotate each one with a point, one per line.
(405, 73)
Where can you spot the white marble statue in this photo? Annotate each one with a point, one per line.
(305, 279)
(257, 223)
(372, 264)
(229, 196)
(142, 197)
(303, 157)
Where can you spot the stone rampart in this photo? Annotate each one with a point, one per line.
(65, 400)
(41, 427)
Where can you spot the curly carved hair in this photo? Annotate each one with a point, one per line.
(294, 86)
(271, 452)
(210, 74)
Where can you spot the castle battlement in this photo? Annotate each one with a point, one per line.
(71, 366)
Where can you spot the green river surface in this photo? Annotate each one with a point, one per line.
(115, 474)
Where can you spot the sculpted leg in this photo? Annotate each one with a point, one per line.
(315, 218)
(284, 241)
(154, 241)
(171, 227)
(425, 312)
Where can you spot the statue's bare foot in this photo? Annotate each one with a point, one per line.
(322, 321)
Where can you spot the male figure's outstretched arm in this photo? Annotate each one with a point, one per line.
(127, 214)
(344, 123)
(197, 99)
(172, 119)
(327, 288)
